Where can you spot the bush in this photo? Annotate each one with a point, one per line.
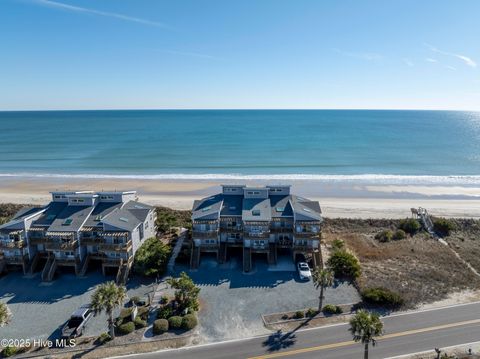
(410, 225)
(152, 257)
(104, 338)
(139, 322)
(338, 244)
(382, 297)
(332, 309)
(189, 321)
(344, 264)
(299, 314)
(126, 328)
(9, 351)
(399, 235)
(160, 326)
(285, 317)
(443, 226)
(384, 236)
(175, 322)
(164, 299)
(164, 312)
(142, 312)
(311, 312)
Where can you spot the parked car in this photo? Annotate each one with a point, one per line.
(76, 324)
(304, 271)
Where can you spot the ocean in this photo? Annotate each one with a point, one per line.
(438, 146)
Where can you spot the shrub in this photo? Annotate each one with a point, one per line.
(104, 338)
(164, 312)
(383, 297)
(186, 292)
(175, 322)
(337, 244)
(9, 351)
(344, 264)
(410, 225)
(285, 317)
(160, 326)
(126, 328)
(189, 321)
(399, 235)
(299, 314)
(384, 236)
(443, 226)
(142, 312)
(311, 312)
(139, 322)
(164, 299)
(332, 309)
(152, 257)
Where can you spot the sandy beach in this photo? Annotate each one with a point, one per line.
(338, 199)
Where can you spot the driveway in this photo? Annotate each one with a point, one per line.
(232, 302)
(39, 310)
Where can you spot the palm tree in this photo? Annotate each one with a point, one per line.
(107, 297)
(322, 278)
(365, 327)
(5, 314)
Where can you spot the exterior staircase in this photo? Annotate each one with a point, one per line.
(123, 272)
(33, 264)
(195, 258)
(46, 269)
(176, 249)
(84, 266)
(247, 259)
(317, 259)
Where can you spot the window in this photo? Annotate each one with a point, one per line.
(256, 212)
(67, 222)
(123, 219)
(280, 209)
(206, 209)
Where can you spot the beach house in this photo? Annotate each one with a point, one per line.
(256, 221)
(78, 229)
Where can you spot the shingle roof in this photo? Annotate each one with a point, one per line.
(256, 209)
(100, 211)
(71, 219)
(207, 208)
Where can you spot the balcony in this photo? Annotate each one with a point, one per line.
(281, 229)
(205, 234)
(232, 229)
(306, 234)
(92, 241)
(37, 240)
(117, 247)
(255, 235)
(12, 244)
(59, 244)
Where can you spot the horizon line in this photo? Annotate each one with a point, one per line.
(236, 109)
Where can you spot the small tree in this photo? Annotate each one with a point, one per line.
(5, 315)
(186, 292)
(344, 264)
(365, 327)
(107, 297)
(322, 278)
(152, 257)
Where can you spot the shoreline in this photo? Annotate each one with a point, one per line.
(343, 199)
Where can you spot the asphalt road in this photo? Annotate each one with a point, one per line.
(404, 333)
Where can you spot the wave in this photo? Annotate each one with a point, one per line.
(357, 178)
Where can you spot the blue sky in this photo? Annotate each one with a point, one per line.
(100, 54)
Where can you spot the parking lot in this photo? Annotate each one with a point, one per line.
(233, 302)
(39, 310)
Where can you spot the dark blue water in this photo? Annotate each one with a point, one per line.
(247, 143)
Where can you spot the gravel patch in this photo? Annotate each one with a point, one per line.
(232, 302)
(39, 310)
